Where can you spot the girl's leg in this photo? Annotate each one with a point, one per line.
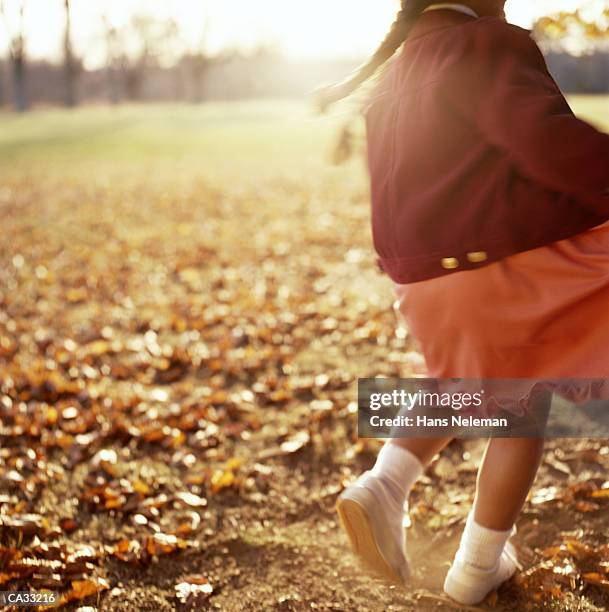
(485, 558)
(424, 449)
(372, 510)
(505, 477)
(398, 466)
(508, 470)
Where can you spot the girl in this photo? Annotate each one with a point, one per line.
(490, 203)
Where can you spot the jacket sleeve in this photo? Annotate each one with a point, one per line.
(502, 85)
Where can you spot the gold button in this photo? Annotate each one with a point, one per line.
(450, 263)
(477, 256)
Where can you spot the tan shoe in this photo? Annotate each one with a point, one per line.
(378, 541)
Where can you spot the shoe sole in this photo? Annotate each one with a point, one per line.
(359, 529)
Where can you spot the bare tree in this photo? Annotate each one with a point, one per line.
(2, 82)
(146, 46)
(199, 61)
(113, 57)
(173, 52)
(135, 68)
(70, 64)
(16, 49)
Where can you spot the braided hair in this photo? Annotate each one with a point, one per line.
(407, 16)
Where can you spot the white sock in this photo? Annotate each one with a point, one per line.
(399, 469)
(480, 546)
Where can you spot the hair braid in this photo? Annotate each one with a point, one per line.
(406, 18)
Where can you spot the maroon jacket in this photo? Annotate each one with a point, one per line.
(474, 153)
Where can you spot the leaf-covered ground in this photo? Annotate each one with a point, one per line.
(187, 299)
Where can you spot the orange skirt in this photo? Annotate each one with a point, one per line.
(539, 314)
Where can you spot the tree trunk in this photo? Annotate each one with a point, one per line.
(1, 84)
(21, 102)
(113, 85)
(69, 67)
(198, 73)
(70, 93)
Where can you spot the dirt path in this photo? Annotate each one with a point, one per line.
(291, 555)
(178, 414)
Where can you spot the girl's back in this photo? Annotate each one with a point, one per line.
(474, 152)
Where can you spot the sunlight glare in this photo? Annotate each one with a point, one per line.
(313, 29)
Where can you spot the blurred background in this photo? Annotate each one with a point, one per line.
(189, 295)
(74, 51)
